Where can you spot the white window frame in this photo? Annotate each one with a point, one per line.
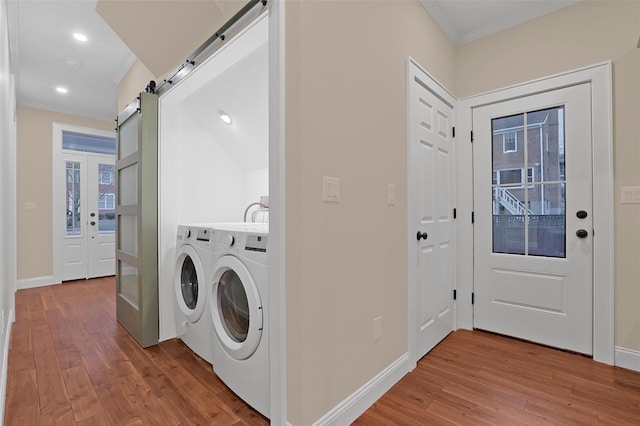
(504, 142)
(106, 181)
(529, 183)
(107, 201)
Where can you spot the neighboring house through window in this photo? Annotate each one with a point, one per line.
(106, 177)
(513, 177)
(107, 201)
(510, 142)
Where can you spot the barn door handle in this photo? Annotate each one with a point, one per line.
(422, 235)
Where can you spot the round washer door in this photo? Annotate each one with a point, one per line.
(236, 308)
(190, 283)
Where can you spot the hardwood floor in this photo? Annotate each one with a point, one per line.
(476, 378)
(71, 363)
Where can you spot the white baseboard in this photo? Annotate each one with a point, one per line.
(5, 367)
(627, 358)
(358, 402)
(36, 282)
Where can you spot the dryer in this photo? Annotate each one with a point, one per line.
(194, 257)
(239, 312)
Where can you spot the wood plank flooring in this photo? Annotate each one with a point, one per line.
(71, 363)
(478, 378)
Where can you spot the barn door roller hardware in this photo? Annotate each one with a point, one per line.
(222, 33)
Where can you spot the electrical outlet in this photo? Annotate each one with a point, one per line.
(377, 328)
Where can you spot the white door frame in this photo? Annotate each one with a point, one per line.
(600, 78)
(57, 183)
(412, 280)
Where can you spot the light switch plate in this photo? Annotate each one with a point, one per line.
(391, 194)
(377, 328)
(330, 189)
(30, 206)
(630, 195)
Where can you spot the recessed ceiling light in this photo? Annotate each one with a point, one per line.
(226, 118)
(80, 37)
(62, 90)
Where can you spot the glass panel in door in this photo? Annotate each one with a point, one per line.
(106, 199)
(72, 199)
(528, 183)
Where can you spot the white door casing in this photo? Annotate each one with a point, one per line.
(532, 273)
(430, 204)
(600, 78)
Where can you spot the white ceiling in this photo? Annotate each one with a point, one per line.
(467, 20)
(48, 56)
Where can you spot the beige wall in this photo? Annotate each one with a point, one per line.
(134, 82)
(345, 114)
(162, 34)
(346, 262)
(34, 158)
(580, 35)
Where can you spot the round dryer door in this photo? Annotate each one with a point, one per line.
(236, 308)
(190, 283)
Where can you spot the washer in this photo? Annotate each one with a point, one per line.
(239, 312)
(194, 260)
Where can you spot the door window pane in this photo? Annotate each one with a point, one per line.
(88, 143)
(106, 199)
(128, 185)
(128, 137)
(128, 232)
(72, 195)
(529, 219)
(128, 283)
(547, 230)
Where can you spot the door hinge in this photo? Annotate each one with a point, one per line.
(473, 217)
(454, 294)
(473, 298)
(472, 136)
(453, 131)
(455, 214)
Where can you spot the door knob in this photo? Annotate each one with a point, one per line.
(422, 235)
(92, 223)
(93, 215)
(581, 214)
(582, 233)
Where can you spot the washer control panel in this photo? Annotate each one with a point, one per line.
(256, 243)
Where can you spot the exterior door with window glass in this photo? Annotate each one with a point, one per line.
(533, 218)
(89, 194)
(102, 216)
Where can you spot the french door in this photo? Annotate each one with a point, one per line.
(533, 248)
(89, 199)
